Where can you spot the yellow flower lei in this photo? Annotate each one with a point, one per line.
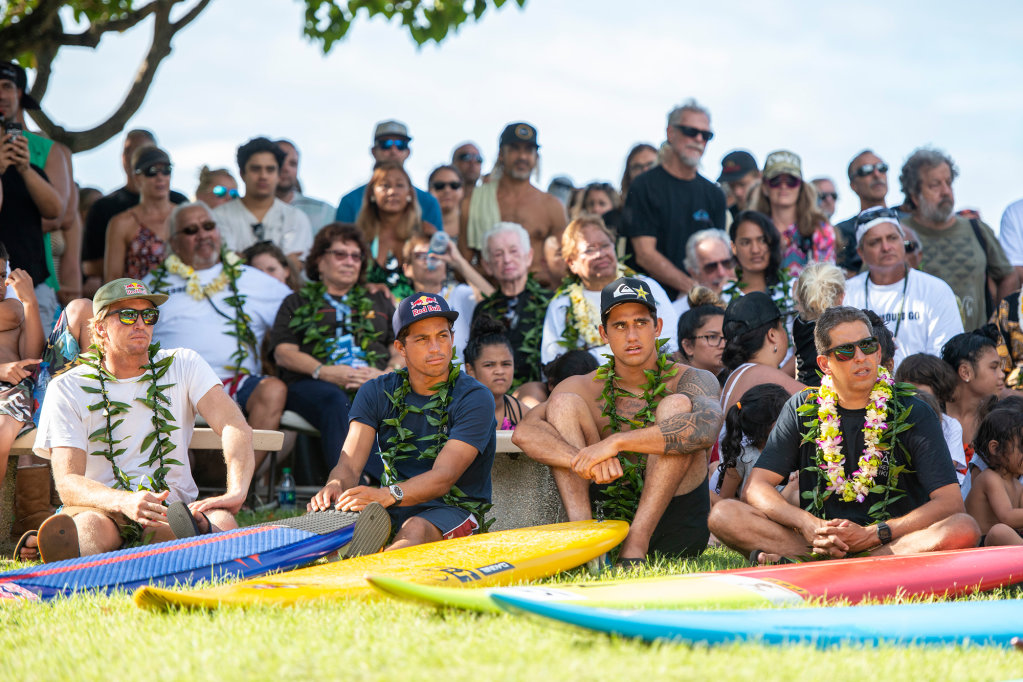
(175, 265)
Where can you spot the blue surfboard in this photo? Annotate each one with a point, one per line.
(995, 623)
(240, 553)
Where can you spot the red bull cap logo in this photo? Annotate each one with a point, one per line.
(425, 304)
(135, 289)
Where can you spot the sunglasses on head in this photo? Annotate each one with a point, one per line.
(868, 168)
(467, 157)
(220, 191)
(847, 351)
(690, 131)
(790, 181)
(192, 230)
(400, 145)
(128, 316)
(824, 196)
(875, 213)
(153, 171)
(453, 185)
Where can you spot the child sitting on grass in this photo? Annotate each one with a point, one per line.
(996, 498)
(489, 360)
(748, 423)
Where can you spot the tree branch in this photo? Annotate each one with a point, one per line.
(91, 36)
(25, 34)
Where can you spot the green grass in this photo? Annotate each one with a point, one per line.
(91, 637)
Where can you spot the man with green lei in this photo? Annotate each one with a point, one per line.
(435, 429)
(640, 427)
(117, 428)
(875, 476)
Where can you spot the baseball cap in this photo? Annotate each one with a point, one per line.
(736, 165)
(396, 128)
(781, 162)
(625, 290)
(9, 71)
(750, 311)
(420, 306)
(876, 216)
(149, 157)
(519, 132)
(124, 289)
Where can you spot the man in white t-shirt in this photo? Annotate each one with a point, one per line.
(203, 313)
(588, 248)
(259, 215)
(115, 485)
(919, 309)
(1010, 234)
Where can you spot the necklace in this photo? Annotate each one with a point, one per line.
(405, 445)
(621, 498)
(162, 420)
(530, 318)
(902, 303)
(358, 321)
(885, 418)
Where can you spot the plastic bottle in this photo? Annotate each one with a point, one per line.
(438, 245)
(286, 492)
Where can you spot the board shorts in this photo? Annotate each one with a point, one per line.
(16, 402)
(241, 390)
(452, 522)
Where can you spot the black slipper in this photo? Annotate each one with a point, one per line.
(627, 563)
(22, 543)
(754, 558)
(182, 523)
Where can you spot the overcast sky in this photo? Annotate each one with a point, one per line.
(822, 79)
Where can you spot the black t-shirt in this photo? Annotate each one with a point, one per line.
(21, 226)
(663, 206)
(510, 310)
(94, 240)
(930, 466)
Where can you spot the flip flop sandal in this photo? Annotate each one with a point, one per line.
(58, 539)
(629, 563)
(754, 558)
(23, 543)
(182, 523)
(372, 529)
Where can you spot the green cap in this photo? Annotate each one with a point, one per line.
(124, 289)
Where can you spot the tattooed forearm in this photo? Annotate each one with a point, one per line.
(689, 432)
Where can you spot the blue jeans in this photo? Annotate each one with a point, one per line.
(325, 406)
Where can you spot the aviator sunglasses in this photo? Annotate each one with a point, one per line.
(400, 145)
(468, 156)
(847, 351)
(868, 168)
(220, 191)
(128, 316)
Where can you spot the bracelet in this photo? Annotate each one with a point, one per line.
(316, 372)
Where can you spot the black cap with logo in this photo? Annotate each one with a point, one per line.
(625, 290)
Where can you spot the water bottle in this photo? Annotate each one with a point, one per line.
(286, 492)
(438, 245)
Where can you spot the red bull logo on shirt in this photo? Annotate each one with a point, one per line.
(425, 304)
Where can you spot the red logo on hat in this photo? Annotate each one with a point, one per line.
(425, 304)
(134, 289)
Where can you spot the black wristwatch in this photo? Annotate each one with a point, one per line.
(884, 533)
(396, 493)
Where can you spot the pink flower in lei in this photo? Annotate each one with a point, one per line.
(829, 441)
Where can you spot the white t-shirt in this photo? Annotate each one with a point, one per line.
(67, 421)
(930, 314)
(187, 323)
(462, 299)
(284, 225)
(554, 322)
(1010, 233)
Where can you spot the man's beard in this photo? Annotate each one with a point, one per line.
(937, 213)
(689, 161)
(516, 174)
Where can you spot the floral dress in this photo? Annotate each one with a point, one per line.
(797, 251)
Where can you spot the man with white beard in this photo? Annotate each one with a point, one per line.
(963, 252)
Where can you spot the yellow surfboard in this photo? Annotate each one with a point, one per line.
(498, 558)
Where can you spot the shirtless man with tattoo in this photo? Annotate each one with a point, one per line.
(518, 201)
(573, 431)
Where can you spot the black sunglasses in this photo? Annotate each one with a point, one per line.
(128, 316)
(710, 268)
(847, 351)
(153, 171)
(868, 168)
(690, 131)
(466, 157)
(824, 196)
(192, 230)
(400, 145)
(439, 186)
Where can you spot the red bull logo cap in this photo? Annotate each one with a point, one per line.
(420, 306)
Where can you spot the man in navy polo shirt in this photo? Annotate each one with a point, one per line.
(435, 430)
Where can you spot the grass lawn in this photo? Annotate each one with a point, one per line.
(105, 638)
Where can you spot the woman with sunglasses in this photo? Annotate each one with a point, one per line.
(447, 186)
(973, 356)
(792, 204)
(216, 187)
(389, 215)
(136, 238)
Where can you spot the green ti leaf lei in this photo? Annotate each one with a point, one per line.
(309, 315)
(780, 293)
(889, 443)
(158, 440)
(621, 498)
(401, 445)
(239, 325)
(530, 320)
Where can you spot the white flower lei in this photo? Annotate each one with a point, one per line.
(585, 316)
(175, 265)
(829, 442)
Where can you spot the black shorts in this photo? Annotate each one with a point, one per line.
(682, 531)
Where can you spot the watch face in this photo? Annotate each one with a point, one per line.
(396, 492)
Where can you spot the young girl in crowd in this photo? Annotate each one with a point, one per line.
(820, 286)
(747, 426)
(973, 356)
(700, 341)
(996, 500)
(268, 257)
(489, 359)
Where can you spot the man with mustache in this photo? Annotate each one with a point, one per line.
(963, 252)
